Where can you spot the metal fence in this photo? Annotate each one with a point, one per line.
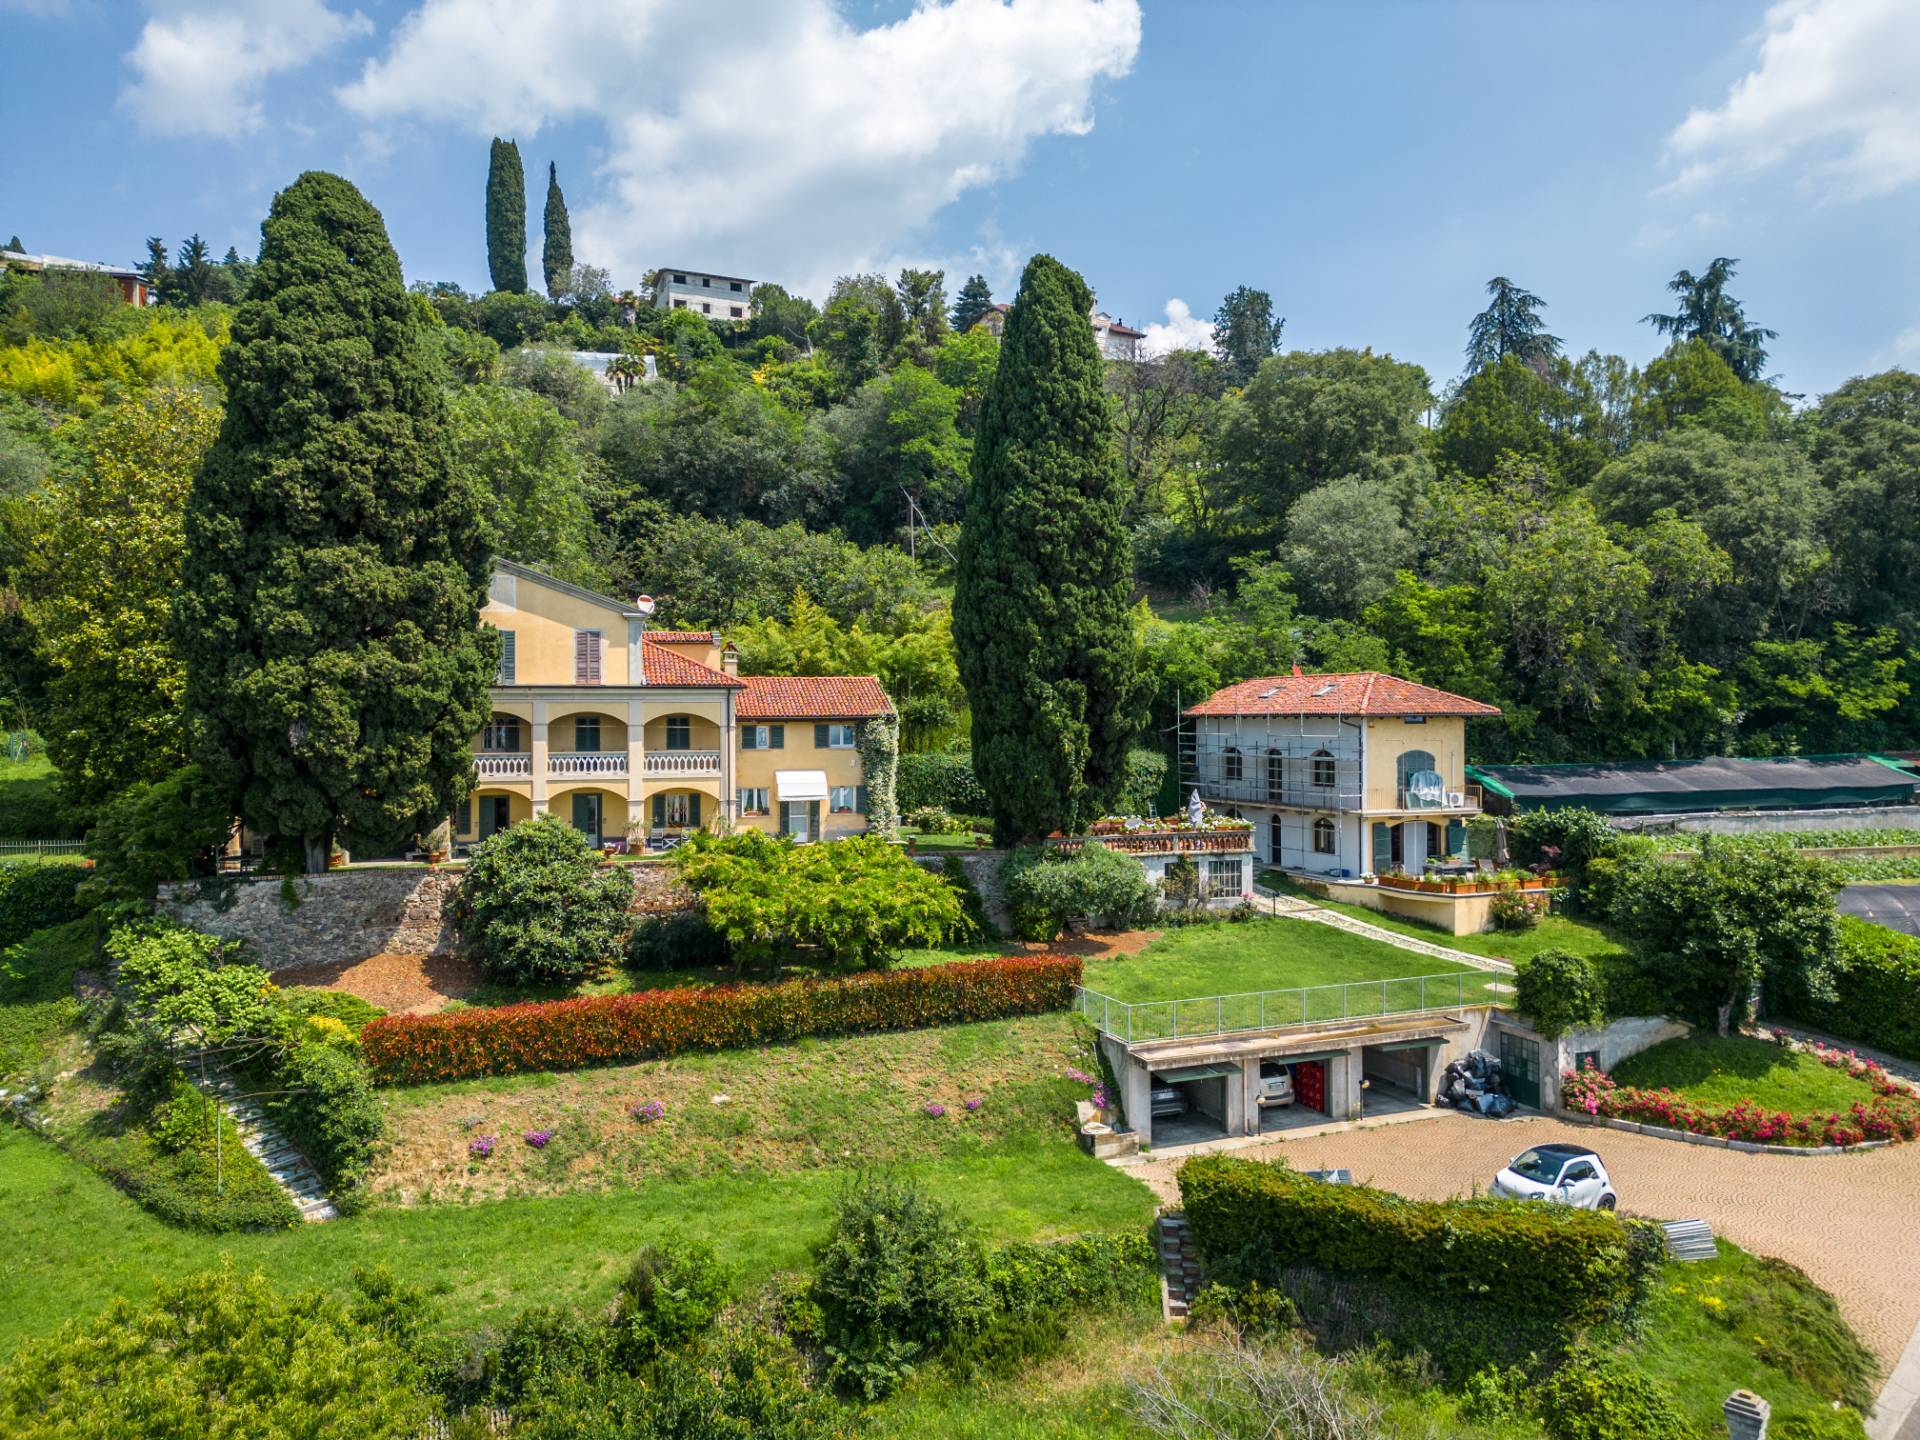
(1139, 1020)
(16, 849)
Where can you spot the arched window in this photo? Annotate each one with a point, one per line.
(1276, 839)
(1420, 783)
(1230, 763)
(1323, 773)
(1323, 838)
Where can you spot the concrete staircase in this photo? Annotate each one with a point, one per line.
(1180, 1274)
(290, 1169)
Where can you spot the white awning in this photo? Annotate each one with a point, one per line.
(800, 784)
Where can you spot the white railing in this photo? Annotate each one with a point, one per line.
(17, 848)
(495, 767)
(596, 762)
(683, 762)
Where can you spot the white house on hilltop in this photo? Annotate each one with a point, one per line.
(719, 297)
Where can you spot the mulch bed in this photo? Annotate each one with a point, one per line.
(398, 984)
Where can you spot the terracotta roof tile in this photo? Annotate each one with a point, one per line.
(670, 667)
(683, 637)
(812, 697)
(1367, 692)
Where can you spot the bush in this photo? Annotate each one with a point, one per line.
(897, 1276)
(1514, 909)
(1026, 1278)
(1146, 776)
(1559, 991)
(1576, 837)
(975, 924)
(1876, 991)
(556, 1035)
(673, 1292)
(1007, 1345)
(537, 903)
(942, 778)
(936, 820)
(170, 829)
(308, 1003)
(1049, 888)
(543, 1344)
(35, 894)
(1599, 1396)
(684, 940)
(1253, 1222)
(332, 1115)
(1841, 1424)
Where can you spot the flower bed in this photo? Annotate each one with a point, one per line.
(1892, 1114)
(563, 1034)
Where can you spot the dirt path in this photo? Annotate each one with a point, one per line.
(1852, 1222)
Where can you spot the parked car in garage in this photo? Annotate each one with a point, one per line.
(1165, 1102)
(1276, 1084)
(1564, 1174)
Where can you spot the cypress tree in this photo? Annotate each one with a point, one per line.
(971, 305)
(336, 672)
(556, 247)
(1040, 612)
(506, 217)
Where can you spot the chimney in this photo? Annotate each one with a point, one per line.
(1296, 670)
(730, 658)
(1747, 1415)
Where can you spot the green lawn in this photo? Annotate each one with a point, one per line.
(30, 808)
(1718, 1071)
(959, 840)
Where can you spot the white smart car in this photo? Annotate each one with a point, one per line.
(1565, 1174)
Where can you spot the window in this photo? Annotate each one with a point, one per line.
(586, 657)
(679, 732)
(679, 304)
(843, 799)
(1230, 764)
(1436, 841)
(763, 737)
(502, 733)
(832, 737)
(754, 801)
(707, 280)
(706, 309)
(679, 279)
(1276, 775)
(1579, 1170)
(679, 809)
(505, 677)
(1323, 769)
(736, 287)
(586, 733)
(734, 310)
(1323, 839)
(1222, 878)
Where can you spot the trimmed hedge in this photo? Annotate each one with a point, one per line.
(1573, 1268)
(607, 1029)
(37, 893)
(1876, 997)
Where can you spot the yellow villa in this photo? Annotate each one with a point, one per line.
(636, 735)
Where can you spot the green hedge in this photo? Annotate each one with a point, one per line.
(35, 894)
(1253, 1222)
(1876, 997)
(941, 777)
(332, 1114)
(1048, 889)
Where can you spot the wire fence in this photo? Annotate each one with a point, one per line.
(18, 849)
(1139, 1020)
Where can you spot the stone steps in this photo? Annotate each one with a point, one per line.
(1181, 1275)
(281, 1158)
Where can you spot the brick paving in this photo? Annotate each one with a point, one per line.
(1852, 1222)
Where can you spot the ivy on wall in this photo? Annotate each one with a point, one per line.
(878, 743)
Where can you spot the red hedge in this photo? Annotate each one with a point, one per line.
(604, 1029)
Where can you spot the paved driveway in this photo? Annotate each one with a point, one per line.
(1852, 1222)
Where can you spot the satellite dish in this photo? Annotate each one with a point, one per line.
(643, 603)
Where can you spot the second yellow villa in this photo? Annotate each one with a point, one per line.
(635, 734)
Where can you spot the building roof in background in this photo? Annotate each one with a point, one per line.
(670, 667)
(1365, 692)
(61, 262)
(690, 270)
(683, 637)
(811, 697)
(1725, 782)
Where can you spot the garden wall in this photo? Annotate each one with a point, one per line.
(347, 915)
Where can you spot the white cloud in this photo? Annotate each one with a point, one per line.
(1182, 330)
(200, 67)
(1833, 88)
(770, 139)
(1907, 343)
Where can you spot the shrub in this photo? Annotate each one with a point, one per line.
(1007, 1345)
(936, 820)
(169, 829)
(896, 1277)
(1560, 991)
(673, 1292)
(35, 894)
(1048, 889)
(537, 903)
(542, 1344)
(942, 778)
(684, 940)
(458, 1044)
(1068, 1274)
(1841, 1424)
(1577, 837)
(1598, 1396)
(1146, 776)
(1253, 1222)
(308, 1003)
(1514, 909)
(331, 1114)
(1249, 1310)
(1876, 991)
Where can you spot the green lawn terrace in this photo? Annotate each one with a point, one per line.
(1270, 973)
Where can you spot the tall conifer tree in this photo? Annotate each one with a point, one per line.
(506, 217)
(971, 305)
(335, 559)
(1040, 623)
(556, 247)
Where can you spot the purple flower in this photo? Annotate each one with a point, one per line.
(974, 1104)
(647, 1111)
(935, 1109)
(537, 1138)
(1100, 1098)
(481, 1146)
(1080, 1076)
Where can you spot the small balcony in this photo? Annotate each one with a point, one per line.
(1468, 797)
(665, 763)
(503, 766)
(587, 763)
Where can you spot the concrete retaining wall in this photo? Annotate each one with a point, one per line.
(1747, 822)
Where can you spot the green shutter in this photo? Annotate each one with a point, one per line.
(860, 798)
(1382, 849)
(1456, 837)
(819, 735)
(778, 734)
(463, 817)
(659, 811)
(693, 809)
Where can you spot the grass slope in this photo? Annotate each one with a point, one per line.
(1716, 1071)
(30, 807)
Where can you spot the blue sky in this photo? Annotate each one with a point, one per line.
(1369, 164)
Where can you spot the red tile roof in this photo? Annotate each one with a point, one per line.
(683, 637)
(1365, 693)
(812, 697)
(670, 667)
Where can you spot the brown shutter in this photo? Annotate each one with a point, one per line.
(586, 657)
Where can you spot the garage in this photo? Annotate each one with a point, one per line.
(1306, 1077)
(1398, 1076)
(1190, 1103)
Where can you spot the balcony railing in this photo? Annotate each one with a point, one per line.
(1164, 842)
(594, 762)
(683, 762)
(503, 766)
(1467, 797)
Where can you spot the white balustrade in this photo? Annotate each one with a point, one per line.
(595, 762)
(502, 767)
(683, 762)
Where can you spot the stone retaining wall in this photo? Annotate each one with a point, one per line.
(347, 915)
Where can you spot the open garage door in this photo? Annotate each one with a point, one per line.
(1189, 1104)
(1398, 1076)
